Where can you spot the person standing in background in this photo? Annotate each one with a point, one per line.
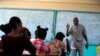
(78, 32)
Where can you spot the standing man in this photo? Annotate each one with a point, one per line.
(78, 33)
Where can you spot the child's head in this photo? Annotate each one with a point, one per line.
(15, 23)
(28, 32)
(5, 28)
(41, 32)
(59, 36)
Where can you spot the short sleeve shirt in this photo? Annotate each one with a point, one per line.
(77, 32)
(56, 47)
(40, 46)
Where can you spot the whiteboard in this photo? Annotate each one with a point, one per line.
(30, 19)
(91, 21)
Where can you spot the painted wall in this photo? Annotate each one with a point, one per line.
(72, 5)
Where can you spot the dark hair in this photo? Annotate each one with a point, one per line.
(13, 21)
(5, 28)
(36, 32)
(28, 32)
(41, 32)
(75, 18)
(59, 36)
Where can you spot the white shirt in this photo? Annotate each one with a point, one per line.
(77, 32)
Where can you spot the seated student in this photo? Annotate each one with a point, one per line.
(28, 35)
(14, 43)
(98, 50)
(57, 47)
(4, 28)
(41, 47)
